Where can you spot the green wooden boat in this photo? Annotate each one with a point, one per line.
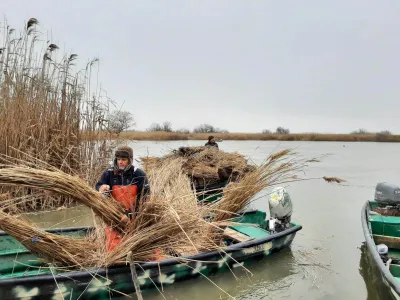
(23, 277)
(382, 241)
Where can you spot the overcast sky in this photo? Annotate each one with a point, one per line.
(312, 65)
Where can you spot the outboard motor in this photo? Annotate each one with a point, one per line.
(387, 194)
(280, 209)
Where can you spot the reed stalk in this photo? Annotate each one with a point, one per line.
(46, 104)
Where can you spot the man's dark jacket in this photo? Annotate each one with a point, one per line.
(131, 176)
(211, 144)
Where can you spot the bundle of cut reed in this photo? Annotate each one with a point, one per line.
(204, 165)
(278, 168)
(177, 238)
(172, 221)
(171, 214)
(169, 220)
(61, 183)
(53, 248)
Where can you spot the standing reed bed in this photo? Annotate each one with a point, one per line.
(46, 105)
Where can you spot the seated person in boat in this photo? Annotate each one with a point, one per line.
(211, 142)
(127, 184)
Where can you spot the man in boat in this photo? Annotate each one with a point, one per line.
(127, 184)
(211, 142)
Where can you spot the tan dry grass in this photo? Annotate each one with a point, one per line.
(279, 168)
(45, 105)
(204, 165)
(170, 220)
(322, 137)
(63, 184)
(172, 214)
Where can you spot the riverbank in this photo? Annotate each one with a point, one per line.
(174, 136)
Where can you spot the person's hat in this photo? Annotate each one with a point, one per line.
(124, 152)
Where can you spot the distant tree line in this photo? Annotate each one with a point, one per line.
(207, 128)
(166, 126)
(118, 121)
(365, 131)
(203, 128)
(279, 130)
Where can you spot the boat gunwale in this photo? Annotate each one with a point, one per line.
(74, 275)
(371, 246)
(57, 230)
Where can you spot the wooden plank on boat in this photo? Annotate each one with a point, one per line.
(235, 235)
(390, 241)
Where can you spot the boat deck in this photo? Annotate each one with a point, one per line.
(394, 254)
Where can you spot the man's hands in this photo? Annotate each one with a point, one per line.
(104, 188)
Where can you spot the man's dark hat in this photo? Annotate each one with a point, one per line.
(124, 152)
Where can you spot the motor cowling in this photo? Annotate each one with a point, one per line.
(387, 194)
(280, 207)
(383, 252)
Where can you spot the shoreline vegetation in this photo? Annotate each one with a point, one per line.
(52, 114)
(318, 137)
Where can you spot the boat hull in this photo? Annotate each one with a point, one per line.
(111, 282)
(383, 274)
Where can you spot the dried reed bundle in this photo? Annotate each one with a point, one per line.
(58, 249)
(386, 211)
(61, 183)
(4, 196)
(278, 168)
(190, 151)
(164, 236)
(333, 179)
(170, 220)
(204, 165)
